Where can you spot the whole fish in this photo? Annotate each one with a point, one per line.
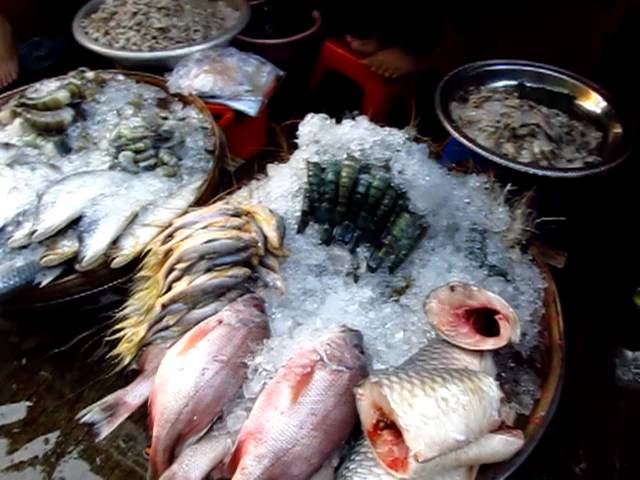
(65, 200)
(101, 224)
(199, 375)
(197, 460)
(106, 414)
(149, 222)
(304, 413)
(412, 415)
(471, 317)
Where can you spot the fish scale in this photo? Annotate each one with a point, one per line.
(303, 414)
(425, 406)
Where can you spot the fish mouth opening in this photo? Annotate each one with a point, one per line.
(484, 321)
(388, 442)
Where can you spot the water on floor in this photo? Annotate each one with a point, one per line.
(42, 387)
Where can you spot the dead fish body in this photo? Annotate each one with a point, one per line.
(65, 201)
(439, 353)
(471, 317)
(414, 415)
(149, 223)
(304, 414)
(24, 269)
(100, 226)
(200, 374)
(197, 460)
(106, 414)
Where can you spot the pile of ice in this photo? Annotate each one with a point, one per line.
(387, 309)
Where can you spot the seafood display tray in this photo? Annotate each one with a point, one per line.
(551, 387)
(551, 87)
(76, 284)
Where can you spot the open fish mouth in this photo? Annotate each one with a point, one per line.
(471, 317)
(383, 432)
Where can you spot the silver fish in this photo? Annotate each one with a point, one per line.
(66, 200)
(413, 415)
(304, 413)
(199, 375)
(23, 268)
(471, 317)
(20, 185)
(102, 223)
(152, 220)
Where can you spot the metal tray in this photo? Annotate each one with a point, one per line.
(550, 86)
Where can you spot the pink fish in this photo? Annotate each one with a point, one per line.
(200, 374)
(304, 414)
(471, 317)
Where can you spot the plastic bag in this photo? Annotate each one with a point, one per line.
(226, 75)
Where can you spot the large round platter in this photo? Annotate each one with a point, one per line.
(77, 284)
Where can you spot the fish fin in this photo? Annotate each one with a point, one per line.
(301, 384)
(48, 275)
(107, 414)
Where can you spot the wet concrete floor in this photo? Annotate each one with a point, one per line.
(43, 386)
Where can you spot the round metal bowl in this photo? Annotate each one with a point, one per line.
(160, 59)
(549, 86)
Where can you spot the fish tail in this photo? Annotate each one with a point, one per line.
(106, 414)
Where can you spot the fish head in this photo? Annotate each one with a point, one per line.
(471, 317)
(252, 301)
(343, 348)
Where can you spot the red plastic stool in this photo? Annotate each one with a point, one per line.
(380, 93)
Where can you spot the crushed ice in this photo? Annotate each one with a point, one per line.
(387, 309)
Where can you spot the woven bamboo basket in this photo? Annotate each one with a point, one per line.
(75, 284)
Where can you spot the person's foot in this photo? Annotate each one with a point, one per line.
(364, 46)
(8, 55)
(392, 62)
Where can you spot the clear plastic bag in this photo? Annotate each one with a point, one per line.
(226, 75)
